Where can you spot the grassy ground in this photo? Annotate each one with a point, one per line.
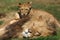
(52, 6)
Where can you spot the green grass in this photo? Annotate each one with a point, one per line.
(47, 38)
(53, 8)
(39, 38)
(1, 22)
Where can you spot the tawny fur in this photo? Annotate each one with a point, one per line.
(35, 14)
(13, 30)
(35, 19)
(38, 26)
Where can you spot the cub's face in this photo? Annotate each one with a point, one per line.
(30, 32)
(26, 33)
(24, 8)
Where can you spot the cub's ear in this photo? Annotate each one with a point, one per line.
(29, 2)
(19, 3)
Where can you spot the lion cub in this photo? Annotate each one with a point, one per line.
(37, 28)
(49, 21)
(26, 9)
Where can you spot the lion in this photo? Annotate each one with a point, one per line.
(37, 28)
(50, 21)
(26, 9)
(13, 30)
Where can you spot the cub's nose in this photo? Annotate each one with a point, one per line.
(26, 32)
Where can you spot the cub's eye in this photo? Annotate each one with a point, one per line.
(30, 31)
(21, 9)
(26, 9)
